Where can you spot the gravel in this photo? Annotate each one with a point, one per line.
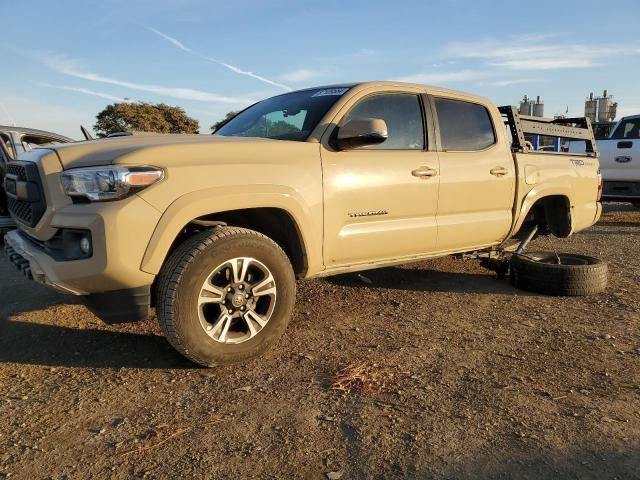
(476, 380)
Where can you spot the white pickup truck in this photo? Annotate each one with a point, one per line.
(619, 161)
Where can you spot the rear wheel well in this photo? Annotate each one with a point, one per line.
(551, 214)
(275, 223)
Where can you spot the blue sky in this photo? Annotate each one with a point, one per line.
(65, 61)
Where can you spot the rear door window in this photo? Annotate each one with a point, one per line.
(464, 126)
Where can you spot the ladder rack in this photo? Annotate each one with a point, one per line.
(578, 128)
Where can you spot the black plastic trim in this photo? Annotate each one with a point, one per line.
(120, 306)
(63, 246)
(28, 204)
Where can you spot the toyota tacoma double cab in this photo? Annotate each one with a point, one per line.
(214, 230)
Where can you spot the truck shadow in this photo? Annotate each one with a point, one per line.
(424, 280)
(593, 463)
(60, 346)
(57, 341)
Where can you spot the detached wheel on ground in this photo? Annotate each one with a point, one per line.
(225, 295)
(558, 274)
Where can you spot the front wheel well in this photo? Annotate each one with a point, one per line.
(552, 215)
(275, 223)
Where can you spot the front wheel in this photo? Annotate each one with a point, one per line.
(225, 295)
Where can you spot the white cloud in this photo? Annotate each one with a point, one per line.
(365, 52)
(446, 77)
(233, 68)
(86, 91)
(70, 67)
(506, 83)
(535, 53)
(300, 76)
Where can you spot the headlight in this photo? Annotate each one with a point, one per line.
(100, 184)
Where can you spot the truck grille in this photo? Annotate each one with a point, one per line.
(27, 210)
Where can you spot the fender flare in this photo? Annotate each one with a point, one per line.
(220, 199)
(539, 192)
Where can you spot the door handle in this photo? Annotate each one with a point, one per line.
(424, 172)
(499, 171)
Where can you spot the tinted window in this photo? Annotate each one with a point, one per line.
(464, 126)
(30, 142)
(402, 114)
(628, 129)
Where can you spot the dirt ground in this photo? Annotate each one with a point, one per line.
(472, 380)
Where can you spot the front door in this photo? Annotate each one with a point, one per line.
(381, 201)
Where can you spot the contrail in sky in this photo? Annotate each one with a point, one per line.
(86, 91)
(68, 67)
(177, 43)
(6, 112)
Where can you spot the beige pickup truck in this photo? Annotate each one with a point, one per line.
(214, 230)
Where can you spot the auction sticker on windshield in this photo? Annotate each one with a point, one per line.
(330, 91)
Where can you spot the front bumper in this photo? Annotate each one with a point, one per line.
(119, 306)
(120, 233)
(28, 260)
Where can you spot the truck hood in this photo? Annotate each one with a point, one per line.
(118, 150)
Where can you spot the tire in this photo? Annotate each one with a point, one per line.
(577, 275)
(636, 203)
(198, 270)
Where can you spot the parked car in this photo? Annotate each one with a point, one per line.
(215, 229)
(18, 140)
(619, 161)
(15, 141)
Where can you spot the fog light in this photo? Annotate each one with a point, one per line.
(85, 245)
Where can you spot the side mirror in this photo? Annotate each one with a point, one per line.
(361, 132)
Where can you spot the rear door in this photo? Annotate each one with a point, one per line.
(477, 176)
(380, 202)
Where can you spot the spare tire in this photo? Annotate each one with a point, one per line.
(558, 274)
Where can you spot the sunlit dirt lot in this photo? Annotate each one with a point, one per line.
(435, 370)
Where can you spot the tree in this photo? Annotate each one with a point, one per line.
(143, 117)
(226, 118)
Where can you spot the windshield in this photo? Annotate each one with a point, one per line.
(291, 116)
